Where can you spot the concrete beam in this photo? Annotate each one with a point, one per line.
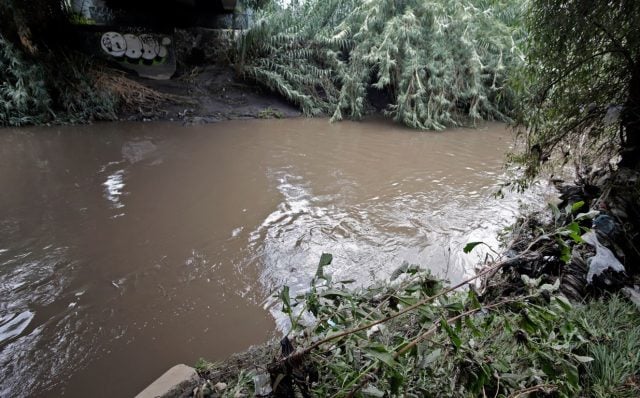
(176, 382)
(229, 5)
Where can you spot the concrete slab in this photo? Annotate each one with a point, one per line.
(174, 383)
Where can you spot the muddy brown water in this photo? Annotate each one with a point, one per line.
(126, 248)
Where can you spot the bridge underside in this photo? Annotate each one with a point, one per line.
(160, 14)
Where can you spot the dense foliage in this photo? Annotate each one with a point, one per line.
(438, 63)
(41, 79)
(581, 86)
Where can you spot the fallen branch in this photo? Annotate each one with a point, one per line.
(494, 268)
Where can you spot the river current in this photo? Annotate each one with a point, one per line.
(126, 248)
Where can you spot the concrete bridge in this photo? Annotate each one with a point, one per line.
(158, 13)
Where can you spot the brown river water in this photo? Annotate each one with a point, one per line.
(126, 248)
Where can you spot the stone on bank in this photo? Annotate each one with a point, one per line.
(174, 383)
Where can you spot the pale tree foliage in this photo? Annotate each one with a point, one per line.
(441, 63)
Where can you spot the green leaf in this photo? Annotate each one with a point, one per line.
(334, 293)
(589, 215)
(573, 231)
(395, 382)
(572, 374)
(563, 302)
(325, 259)
(431, 358)
(380, 353)
(471, 245)
(565, 251)
(476, 332)
(577, 206)
(555, 211)
(455, 339)
(582, 359)
(286, 299)
(473, 298)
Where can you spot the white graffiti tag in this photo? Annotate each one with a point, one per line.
(134, 47)
(113, 44)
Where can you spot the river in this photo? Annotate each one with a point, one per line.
(126, 248)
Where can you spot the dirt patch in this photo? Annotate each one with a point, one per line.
(210, 94)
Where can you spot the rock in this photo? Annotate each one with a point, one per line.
(220, 386)
(176, 382)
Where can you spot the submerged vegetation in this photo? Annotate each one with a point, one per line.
(434, 63)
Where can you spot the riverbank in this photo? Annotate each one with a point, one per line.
(77, 83)
(545, 318)
(208, 94)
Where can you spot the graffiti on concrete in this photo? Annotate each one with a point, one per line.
(135, 48)
(149, 55)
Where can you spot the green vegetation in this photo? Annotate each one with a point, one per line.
(580, 89)
(529, 329)
(43, 80)
(24, 98)
(439, 63)
(37, 91)
(270, 113)
(366, 343)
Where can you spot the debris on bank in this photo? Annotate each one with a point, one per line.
(589, 245)
(546, 319)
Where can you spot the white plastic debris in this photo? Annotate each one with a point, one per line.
(633, 294)
(262, 384)
(603, 259)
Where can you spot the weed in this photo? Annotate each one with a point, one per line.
(270, 113)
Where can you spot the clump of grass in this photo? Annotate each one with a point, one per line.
(614, 331)
(270, 113)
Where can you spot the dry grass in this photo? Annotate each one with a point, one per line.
(134, 95)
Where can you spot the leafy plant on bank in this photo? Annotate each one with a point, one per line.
(536, 344)
(281, 52)
(41, 90)
(440, 63)
(41, 79)
(23, 95)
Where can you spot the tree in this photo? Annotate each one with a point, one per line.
(439, 62)
(581, 85)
